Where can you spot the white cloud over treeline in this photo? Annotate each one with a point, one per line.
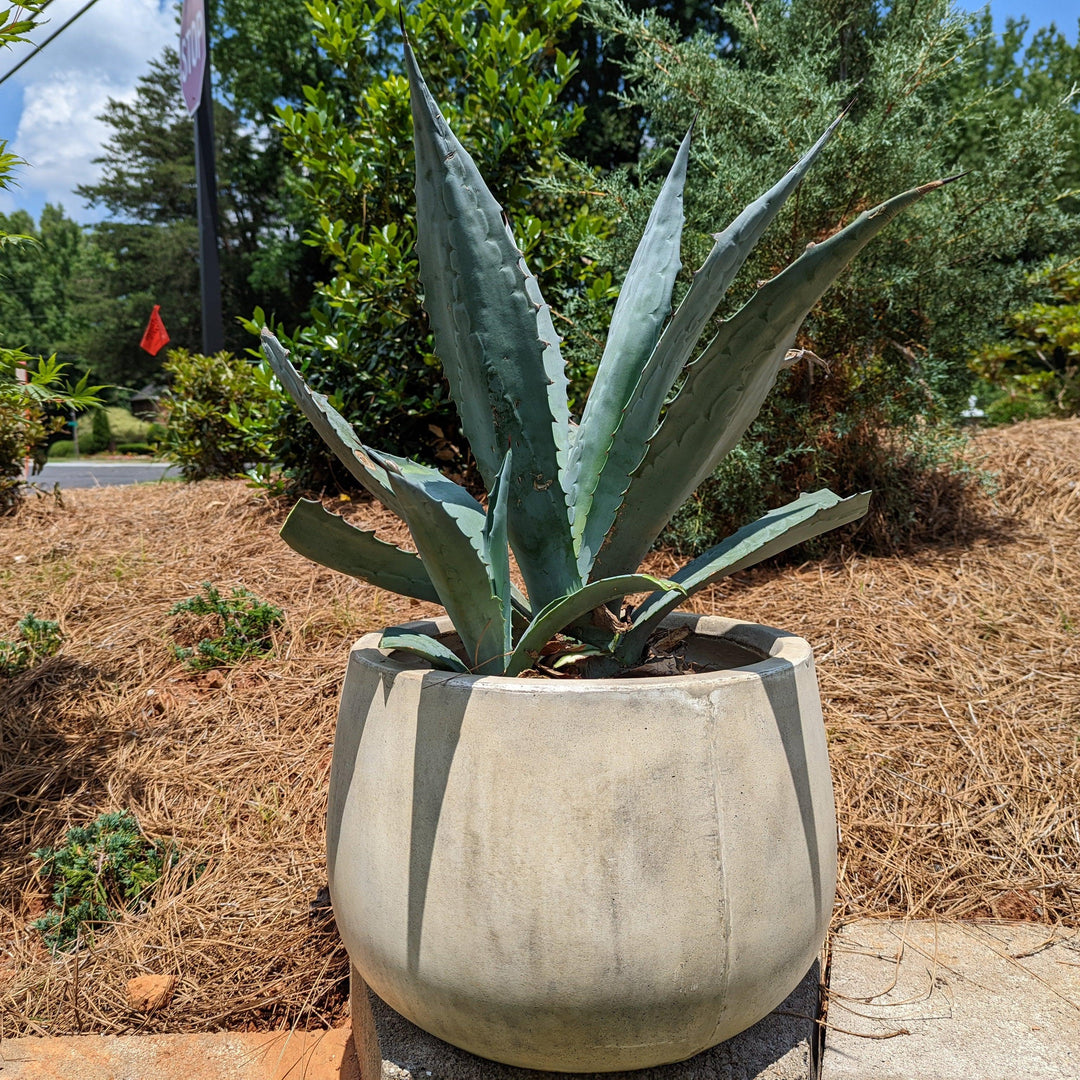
(66, 86)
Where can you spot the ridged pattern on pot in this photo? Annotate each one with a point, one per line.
(593, 876)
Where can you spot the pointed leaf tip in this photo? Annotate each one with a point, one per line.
(945, 180)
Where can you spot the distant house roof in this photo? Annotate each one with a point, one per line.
(150, 392)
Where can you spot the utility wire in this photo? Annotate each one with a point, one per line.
(56, 33)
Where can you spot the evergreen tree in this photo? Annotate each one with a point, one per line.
(146, 253)
(613, 129)
(897, 331)
(1011, 76)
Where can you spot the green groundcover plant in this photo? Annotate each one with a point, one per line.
(247, 627)
(101, 870)
(37, 639)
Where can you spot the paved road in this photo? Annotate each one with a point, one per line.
(86, 474)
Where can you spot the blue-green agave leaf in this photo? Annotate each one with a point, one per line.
(727, 385)
(328, 539)
(568, 609)
(497, 548)
(497, 344)
(808, 516)
(447, 526)
(642, 409)
(643, 305)
(427, 648)
(711, 282)
(334, 429)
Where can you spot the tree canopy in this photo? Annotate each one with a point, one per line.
(146, 252)
(897, 331)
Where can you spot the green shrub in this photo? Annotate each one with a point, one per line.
(125, 427)
(61, 449)
(101, 436)
(134, 448)
(1010, 407)
(919, 476)
(24, 428)
(156, 433)
(223, 412)
(101, 869)
(368, 343)
(246, 627)
(38, 638)
(25, 424)
(1035, 367)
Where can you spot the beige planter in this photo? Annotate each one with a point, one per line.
(584, 875)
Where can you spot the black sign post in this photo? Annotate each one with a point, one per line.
(195, 82)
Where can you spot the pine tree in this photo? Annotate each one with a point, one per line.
(897, 331)
(146, 253)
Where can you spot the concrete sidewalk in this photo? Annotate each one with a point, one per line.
(906, 1001)
(953, 1001)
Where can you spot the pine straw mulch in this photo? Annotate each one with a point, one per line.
(950, 682)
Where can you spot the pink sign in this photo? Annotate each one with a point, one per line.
(192, 53)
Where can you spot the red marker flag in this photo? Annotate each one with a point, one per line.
(156, 336)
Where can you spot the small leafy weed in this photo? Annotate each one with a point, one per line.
(38, 638)
(102, 869)
(247, 625)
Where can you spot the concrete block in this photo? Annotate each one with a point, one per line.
(953, 1001)
(779, 1047)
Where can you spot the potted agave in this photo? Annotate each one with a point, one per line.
(596, 873)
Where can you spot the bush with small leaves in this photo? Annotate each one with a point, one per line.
(247, 627)
(366, 343)
(1034, 370)
(222, 413)
(99, 871)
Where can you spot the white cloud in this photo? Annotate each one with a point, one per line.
(67, 85)
(59, 135)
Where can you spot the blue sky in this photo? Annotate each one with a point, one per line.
(48, 109)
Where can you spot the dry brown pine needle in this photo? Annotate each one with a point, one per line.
(949, 679)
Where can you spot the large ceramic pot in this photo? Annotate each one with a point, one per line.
(584, 875)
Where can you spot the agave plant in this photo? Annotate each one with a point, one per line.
(579, 505)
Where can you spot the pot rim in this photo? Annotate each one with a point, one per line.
(779, 651)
